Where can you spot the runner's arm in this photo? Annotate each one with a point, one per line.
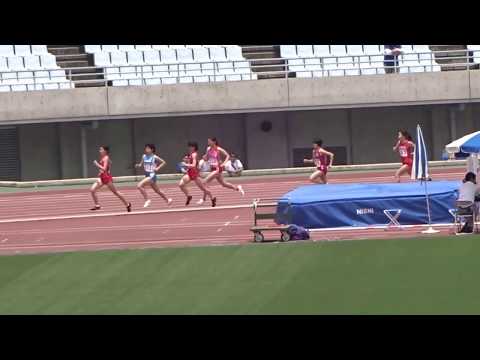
(161, 163)
(396, 145)
(140, 164)
(331, 155)
(97, 164)
(308, 161)
(227, 156)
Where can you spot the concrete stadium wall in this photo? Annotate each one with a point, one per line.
(51, 151)
(246, 96)
(39, 152)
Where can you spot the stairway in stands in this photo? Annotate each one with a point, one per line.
(260, 54)
(74, 56)
(446, 61)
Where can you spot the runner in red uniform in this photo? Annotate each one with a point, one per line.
(405, 148)
(323, 161)
(193, 174)
(213, 158)
(105, 178)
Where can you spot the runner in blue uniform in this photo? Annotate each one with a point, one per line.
(151, 165)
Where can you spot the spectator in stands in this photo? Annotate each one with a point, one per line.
(181, 168)
(390, 62)
(234, 166)
(468, 193)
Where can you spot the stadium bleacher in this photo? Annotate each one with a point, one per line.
(341, 60)
(169, 64)
(30, 67)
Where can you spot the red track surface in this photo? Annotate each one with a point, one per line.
(52, 221)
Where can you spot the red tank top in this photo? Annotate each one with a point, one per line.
(213, 156)
(105, 163)
(319, 158)
(405, 150)
(190, 159)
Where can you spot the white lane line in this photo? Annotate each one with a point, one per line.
(142, 242)
(88, 216)
(148, 227)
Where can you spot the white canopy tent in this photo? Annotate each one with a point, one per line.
(468, 144)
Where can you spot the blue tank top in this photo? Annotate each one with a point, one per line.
(149, 163)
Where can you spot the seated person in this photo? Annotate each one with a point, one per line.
(468, 193)
(181, 168)
(234, 166)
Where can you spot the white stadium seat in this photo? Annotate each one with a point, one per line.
(3, 63)
(15, 63)
(355, 50)
(135, 57)
(143, 47)
(151, 57)
(6, 50)
(101, 59)
(201, 54)
(126, 47)
(168, 56)
(234, 53)
(159, 47)
(22, 50)
(39, 49)
(93, 49)
(48, 61)
(184, 55)
(288, 51)
(372, 50)
(32, 62)
(321, 50)
(338, 50)
(305, 51)
(218, 54)
(109, 48)
(118, 58)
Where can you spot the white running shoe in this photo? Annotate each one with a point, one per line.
(147, 203)
(169, 202)
(240, 188)
(200, 202)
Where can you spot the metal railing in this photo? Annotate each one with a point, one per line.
(241, 69)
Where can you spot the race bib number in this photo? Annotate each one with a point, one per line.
(403, 152)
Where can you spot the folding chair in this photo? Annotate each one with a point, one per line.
(464, 211)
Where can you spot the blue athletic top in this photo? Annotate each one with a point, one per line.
(149, 164)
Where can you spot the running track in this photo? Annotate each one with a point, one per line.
(59, 220)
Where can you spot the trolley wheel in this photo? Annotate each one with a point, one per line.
(285, 236)
(258, 237)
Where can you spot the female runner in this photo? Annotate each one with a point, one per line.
(151, 164)
(212, 157)
(405, 148)
(105, 178)
(320, 157)
(193, 175)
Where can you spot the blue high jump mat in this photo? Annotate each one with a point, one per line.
(360, 205)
